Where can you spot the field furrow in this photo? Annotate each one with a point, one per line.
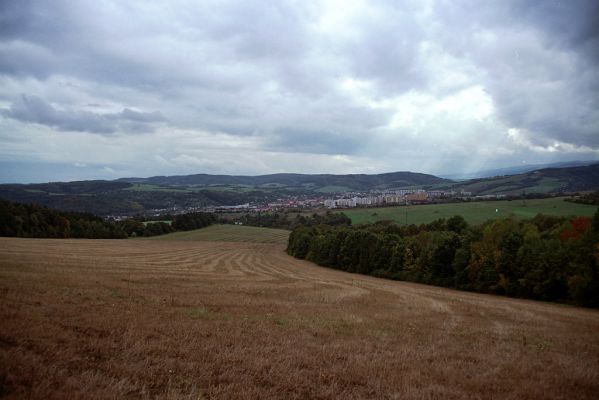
(236, 317)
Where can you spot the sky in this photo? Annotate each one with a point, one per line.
(109, 89)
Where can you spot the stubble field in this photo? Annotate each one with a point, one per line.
(196, 318)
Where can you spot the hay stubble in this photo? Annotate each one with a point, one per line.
(202, 319)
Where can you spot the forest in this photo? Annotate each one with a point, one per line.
(35, 221)
(545, 258)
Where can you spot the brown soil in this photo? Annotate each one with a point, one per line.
(187, 319)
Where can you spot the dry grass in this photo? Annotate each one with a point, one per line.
(198, 319)
(230, 233)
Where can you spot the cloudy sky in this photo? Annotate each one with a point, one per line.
(106, 89)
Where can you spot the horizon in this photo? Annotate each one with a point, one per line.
(453, 177)
(200, 173)
(108, 90)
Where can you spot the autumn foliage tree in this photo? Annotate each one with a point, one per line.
(546, 258)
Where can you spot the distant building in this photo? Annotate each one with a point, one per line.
(345, 203)
(417, 197)
(362, 201)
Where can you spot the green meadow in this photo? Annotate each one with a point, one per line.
(473, 212)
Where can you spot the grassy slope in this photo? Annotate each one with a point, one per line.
(547, 180)
(474, 213)
(192, 317)
(142, 187)
(229, 233)
(332, 189)
(203, 319)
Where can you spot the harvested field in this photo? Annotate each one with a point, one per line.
(230, 233)
(242, 320)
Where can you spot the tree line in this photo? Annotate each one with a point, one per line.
(35, 221)
(586, 198)
(546, 258)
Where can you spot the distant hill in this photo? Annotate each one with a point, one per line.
(316, 182)
(138, 195)
(546, 180)
(129, 196)
(514, 170)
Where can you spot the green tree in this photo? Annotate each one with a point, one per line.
(457, 224)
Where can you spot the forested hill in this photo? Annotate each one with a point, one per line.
(546, 180)
(34, 221)
(130, 196)
(351, 181)
(29, 220)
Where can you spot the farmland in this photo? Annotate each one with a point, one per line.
(229, 233)
(224, 313)
(473, 212)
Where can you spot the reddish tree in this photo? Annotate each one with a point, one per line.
(579, 226)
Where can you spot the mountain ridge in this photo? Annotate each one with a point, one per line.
(356, 181)
(514, 170)
(540, 181)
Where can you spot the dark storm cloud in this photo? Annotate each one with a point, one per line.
(539, 60)
(569, 23)
(31, 109)
(569, 110)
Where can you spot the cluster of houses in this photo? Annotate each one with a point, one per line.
(310, 201)
(290, 202)
(407, 196)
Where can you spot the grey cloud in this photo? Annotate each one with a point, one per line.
(33, 20)
(32, 109)
(136, 116)
(265, 70)
(197, 48)
(316, 142)
(259, 29)
(538, 63)
(387, 51)
(573, 23)
(21, 58)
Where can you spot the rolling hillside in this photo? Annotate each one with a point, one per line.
(234, 317)
(135, 195)
(515, 170)
(473, 212)
(313, 182)
(548, 180)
